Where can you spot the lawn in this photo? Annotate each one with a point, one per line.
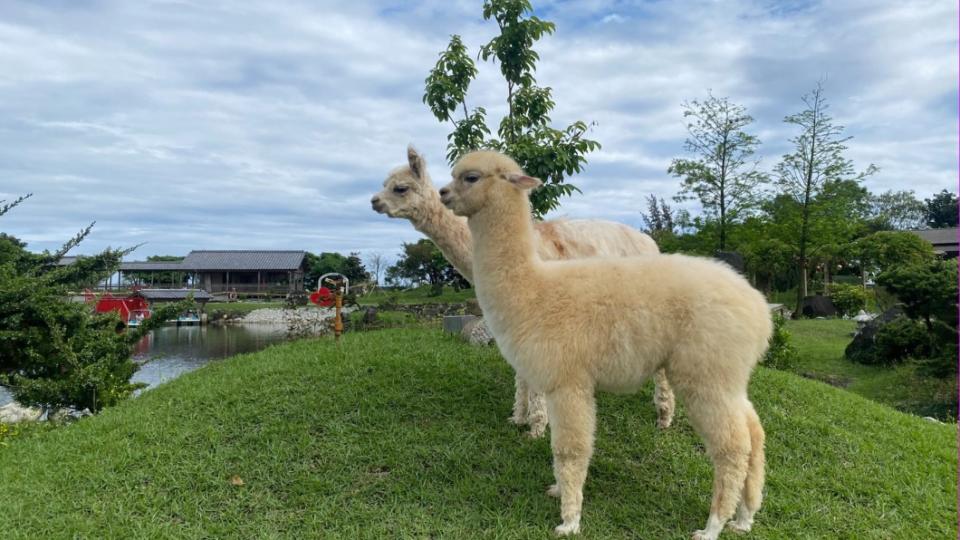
(906, 387)
(402, 433)
(418, 295)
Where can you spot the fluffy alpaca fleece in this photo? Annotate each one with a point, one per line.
(694, 317)
(408, 193)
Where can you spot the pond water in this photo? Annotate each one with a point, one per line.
(170, 351)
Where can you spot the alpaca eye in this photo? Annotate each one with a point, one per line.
(471, 177)
(400, 190)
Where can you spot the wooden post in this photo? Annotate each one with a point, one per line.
(338, 320)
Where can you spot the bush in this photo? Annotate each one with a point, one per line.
(781, 354)
(900, 339)
(848, 299)
(57, 353)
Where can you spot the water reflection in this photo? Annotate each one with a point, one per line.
(170, 351)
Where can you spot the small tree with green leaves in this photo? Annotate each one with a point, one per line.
(817, 160)
(524, 133)
(54, 352)
(723, 176)
(942, 210)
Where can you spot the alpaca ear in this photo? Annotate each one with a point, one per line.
(417, 164)
(523, 181)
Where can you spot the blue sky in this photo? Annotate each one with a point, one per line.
(182, 124)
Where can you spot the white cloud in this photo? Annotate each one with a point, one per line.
(204, 125)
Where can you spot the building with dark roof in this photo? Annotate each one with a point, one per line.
(944, 241)
(240, 271)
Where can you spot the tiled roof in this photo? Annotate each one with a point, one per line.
(174, 294)
(938, 237)
(243, 260)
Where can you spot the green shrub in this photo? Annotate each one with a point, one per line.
(848, 299)
(900, 339)
(781, 354)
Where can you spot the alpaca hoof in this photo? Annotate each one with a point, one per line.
(700, 535)
(536, 432)
(517, 420)
(740, 527)
(664, 423)
(553, 490)
(566, 529)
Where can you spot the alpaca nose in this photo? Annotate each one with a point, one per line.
(444, 192)
(375, 199)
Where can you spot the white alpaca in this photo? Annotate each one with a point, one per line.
(695, 317)
(408, 193)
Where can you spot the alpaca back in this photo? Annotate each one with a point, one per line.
(581, 238)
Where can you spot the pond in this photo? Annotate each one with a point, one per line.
(170, 351)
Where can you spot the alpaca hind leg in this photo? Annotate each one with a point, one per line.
(572, 413)
(520, 399)
(663, 399)
(723, 425)
(752, 494)
(536, 414)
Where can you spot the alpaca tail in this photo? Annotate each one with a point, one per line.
(753, 485)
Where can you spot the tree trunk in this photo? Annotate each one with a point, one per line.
(826, 278)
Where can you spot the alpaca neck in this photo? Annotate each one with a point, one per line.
(503, 242)
(449, 232)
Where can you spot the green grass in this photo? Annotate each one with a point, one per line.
(821, 343)
(419, 295)
(402, 433)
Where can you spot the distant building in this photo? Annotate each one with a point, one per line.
(944, 241)
(241, 271)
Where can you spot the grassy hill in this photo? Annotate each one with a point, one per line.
(403, 434)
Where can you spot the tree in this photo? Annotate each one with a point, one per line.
(942, 210)
(723, 176)
(376, 262)
(54, 352)
(525, 132)
(422, 261)
(897, 210)
(327, 262)
(817, 159)
(885, 249)
(659, 220)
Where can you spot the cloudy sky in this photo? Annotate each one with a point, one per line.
(206, 124)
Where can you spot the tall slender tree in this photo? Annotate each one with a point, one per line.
(723, 176)
(524, 133)
(817, 159)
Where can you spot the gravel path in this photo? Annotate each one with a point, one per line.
(284, 316)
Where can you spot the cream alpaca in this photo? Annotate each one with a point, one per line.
(408, 193)
(694, 317)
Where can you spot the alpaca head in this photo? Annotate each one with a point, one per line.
(482, 179)
(406, 190)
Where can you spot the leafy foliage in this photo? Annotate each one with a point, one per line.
(723, 176)
(848, 299)
(897, 210)
(54, 352)
(816, 164)
(781, 354)
(942, 210)
(350, 266)
(886, 249)
(422, 261)
(524, 133)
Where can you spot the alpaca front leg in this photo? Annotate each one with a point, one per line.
(520, 398)
(572, 413)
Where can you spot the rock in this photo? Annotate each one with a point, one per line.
(476, 332)
(455, 323)
(472, 307)
(13, 412)
(817, 306)
(370, 316)
(864, 341)
(932, 419)
(67, 413)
